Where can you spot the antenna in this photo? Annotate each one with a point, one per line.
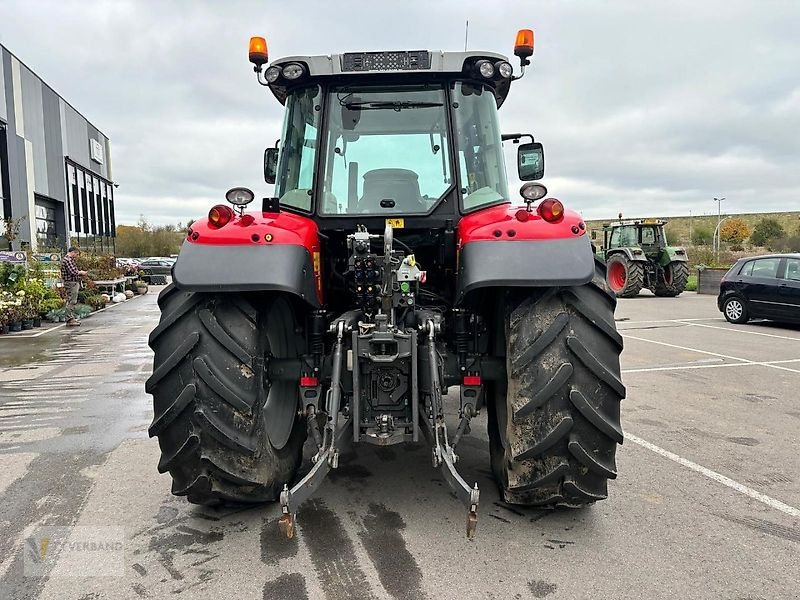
(466, 34)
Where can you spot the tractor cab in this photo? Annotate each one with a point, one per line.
(648, 234)
(406, 138)
(411, 136)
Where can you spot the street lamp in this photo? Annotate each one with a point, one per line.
(716, 240)
(719, 222)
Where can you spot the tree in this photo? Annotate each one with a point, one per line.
(144, 239)
(702, 236)
(9, 230)
(766, 230)
(734, 231)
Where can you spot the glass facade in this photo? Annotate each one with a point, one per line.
(91, 203)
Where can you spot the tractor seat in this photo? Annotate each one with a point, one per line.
(400, 185)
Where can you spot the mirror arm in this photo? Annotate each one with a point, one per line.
(515, 137)
(524, 62)
(260, 77)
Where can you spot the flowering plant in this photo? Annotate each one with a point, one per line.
(11, 306)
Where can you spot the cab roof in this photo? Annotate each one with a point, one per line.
(636, 222)
(361, 67)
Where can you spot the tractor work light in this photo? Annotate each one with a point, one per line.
(258, 51)
(272, 74)
(220, 215)
(551, 210)
(532, 191)
(485, 68)
(523, 46)
(505, 69)
(239, 196)
(293, 71)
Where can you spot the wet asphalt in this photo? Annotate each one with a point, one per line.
(707, 503)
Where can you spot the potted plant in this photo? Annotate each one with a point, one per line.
(35, 292)
(48, 306)
(97, 302)
(5, 311)
(141, 286)
(15, 312)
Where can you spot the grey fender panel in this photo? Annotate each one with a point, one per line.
(628, 254)
(525, 263)
(245, 268)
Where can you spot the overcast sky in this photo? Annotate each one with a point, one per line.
(645, 107)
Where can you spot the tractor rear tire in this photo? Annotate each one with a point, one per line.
(209, 391)
(676, 276)
(625, 277)
(554, 432)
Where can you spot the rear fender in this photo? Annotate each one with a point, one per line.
(495, 249)
(672, 254)
(254, 252)
(632, 254)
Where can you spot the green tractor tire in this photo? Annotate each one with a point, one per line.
(676, 275)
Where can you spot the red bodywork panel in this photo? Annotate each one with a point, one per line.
(269, 229)
(501, 223)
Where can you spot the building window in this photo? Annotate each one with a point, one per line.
(92, 204)
(46, 231)
(111, 210)
(84, 204)
(74, 198)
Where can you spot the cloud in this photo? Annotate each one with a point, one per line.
(646, 107)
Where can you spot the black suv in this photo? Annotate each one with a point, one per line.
(762, 287)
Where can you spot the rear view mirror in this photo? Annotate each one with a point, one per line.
(530, 161)
(270, 164)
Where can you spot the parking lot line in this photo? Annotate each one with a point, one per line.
(718, 366)
(727, 481)
(741, 360)
(627, 322)
(772, 335)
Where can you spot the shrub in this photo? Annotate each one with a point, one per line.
(787, 244)
(85, 296)
(702, 236)
(50, 304)
(766, 231)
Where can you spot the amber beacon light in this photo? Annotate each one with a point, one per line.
(258, 51)
(523, 45)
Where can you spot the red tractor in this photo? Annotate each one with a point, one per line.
(392, 270)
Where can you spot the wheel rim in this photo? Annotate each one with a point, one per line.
(616, 276)
(280, 414)
(734, 310)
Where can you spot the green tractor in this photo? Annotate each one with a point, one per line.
(638, 256)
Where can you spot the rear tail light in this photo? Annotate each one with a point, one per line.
(523, 215)
(220, 215)
(471, 380)
(308, 381)
(551, 210)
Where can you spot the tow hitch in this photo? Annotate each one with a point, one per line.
(435, 431)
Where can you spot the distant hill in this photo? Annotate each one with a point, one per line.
(678, 227)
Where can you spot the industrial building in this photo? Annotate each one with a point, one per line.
(55, 167)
